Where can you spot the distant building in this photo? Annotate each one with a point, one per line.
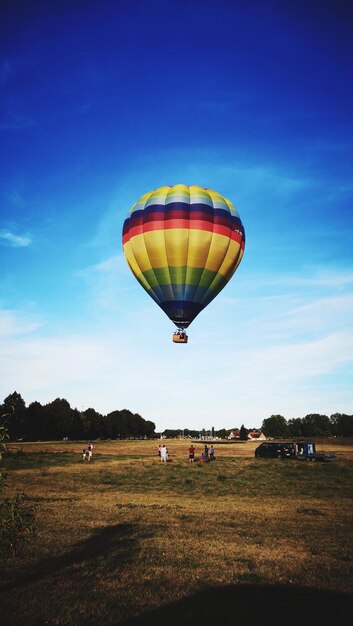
(256, 435)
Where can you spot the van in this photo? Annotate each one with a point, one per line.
(275, 450)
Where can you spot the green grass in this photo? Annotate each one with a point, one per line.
(133, 534)
(222, 477)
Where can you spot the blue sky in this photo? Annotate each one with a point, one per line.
(104, 101)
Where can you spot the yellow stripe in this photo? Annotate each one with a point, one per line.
(192, 193)
(177, 244)
(130, 257)
(140, 204)
(156, 249)
(217, 252)
(198, 193)
(138, 248)
(231, 260)
(199, 245)
(180, 246)
(158, 196)
(179, 190)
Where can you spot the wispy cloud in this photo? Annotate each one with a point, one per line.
(14, 324)
(108, 282)
(53, 366)
(14, 240)
(289, 307)
(114, 263)
(15, 196)
(313, 277)
(224, 382)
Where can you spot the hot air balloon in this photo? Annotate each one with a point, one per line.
(183, 244)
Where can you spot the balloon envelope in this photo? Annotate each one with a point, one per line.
(183, 244)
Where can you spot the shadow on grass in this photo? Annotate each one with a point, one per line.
(108, 548)
(252, 605)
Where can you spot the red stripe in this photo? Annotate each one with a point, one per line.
(183, 224)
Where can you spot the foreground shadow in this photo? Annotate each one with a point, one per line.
(112, 546)
(252, 605)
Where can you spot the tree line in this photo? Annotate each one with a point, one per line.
(58, 420)
(223, 433)
(312, 425)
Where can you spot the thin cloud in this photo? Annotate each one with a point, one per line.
(311, 280)
(113, 263)
(222, 384)
(14, 240)
(16, 197)
(322, 278)
(14, 324)
(52, 363)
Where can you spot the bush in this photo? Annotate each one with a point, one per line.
(17, 522)
(17, 525)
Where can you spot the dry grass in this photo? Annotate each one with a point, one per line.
(125, 534)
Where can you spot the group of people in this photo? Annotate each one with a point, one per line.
(87, 454)
(163, 453)
(206, 455)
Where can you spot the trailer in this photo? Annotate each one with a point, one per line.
(299, 450)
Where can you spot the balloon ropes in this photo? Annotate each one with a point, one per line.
(183, 244)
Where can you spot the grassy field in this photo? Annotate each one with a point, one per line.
(128, 540)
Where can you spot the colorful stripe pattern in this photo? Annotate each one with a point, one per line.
(183, 244)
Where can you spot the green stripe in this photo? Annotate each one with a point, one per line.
(218, 282)
(157, 276)
(184, 276)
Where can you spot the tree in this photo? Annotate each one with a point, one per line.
(243, 433)
(150, 428)
(35, 421)
(92, 424)
(60, 418)
(275, 426)
(190, 433)
(295, 427)
(136, 425)
(79, 426)
(17, 425)
(5, 413)
(316, 425)
(171, 433)
(17, 520)
(341, 425)
(117, 424)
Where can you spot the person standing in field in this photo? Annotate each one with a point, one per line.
(83, 454)
(164, 454)
(192, 453)
(89, 451)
